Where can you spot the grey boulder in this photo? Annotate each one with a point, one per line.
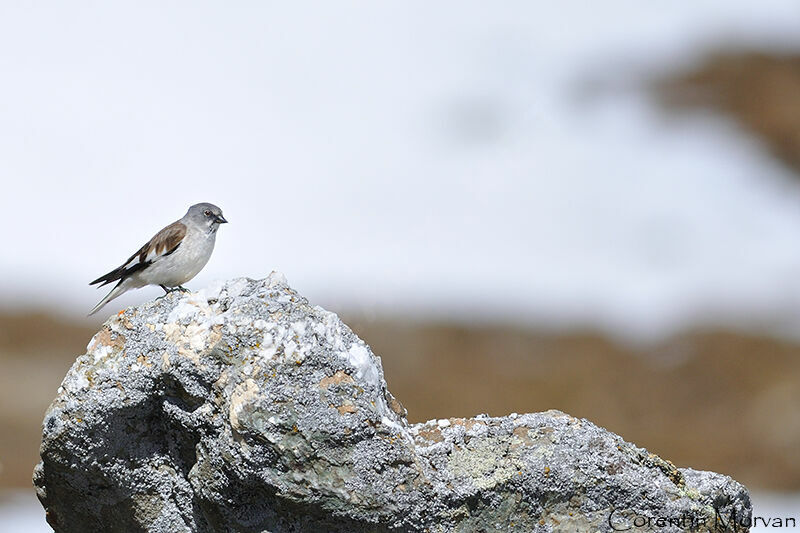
(243, 408)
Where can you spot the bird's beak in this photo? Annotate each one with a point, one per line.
(220, 219)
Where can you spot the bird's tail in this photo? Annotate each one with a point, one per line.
(115, 292)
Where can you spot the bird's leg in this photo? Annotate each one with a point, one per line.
(168, 290)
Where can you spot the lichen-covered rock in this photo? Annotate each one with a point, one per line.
(244, 408)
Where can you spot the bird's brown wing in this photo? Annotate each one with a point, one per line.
(162, 244)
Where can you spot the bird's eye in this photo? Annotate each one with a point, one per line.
(207, 213)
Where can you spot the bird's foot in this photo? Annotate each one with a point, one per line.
(168, 290)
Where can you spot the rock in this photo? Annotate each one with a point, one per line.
(244, 408)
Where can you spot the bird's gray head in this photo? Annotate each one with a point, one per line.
(205, 215)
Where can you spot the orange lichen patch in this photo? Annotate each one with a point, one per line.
(523, 432)
(468, 423)
(347, 408)
(547, 430)
(472, 423)
(669, 469)
(433, 434)
(104, 338)
(396, 406)
(337, 379)
(520, 438)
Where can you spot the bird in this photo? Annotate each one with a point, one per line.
(171, 258)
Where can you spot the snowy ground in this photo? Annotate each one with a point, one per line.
(398, 157)
(21, 511)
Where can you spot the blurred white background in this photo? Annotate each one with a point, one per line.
(398, 157)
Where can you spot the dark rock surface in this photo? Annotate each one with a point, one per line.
(243, 408)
